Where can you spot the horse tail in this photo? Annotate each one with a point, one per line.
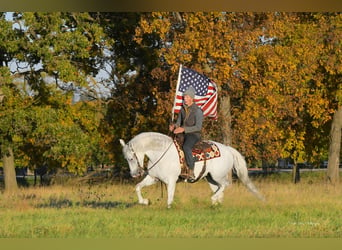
(240, 166)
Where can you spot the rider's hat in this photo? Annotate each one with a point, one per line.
(190, 92)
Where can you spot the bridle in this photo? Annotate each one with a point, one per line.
(154, 164)
(135, 155)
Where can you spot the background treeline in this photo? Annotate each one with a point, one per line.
(72, 84)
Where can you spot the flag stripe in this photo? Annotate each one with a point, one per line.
(210, 106)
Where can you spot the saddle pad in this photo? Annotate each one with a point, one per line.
(208, 153)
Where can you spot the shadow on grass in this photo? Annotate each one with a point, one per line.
(66, 203)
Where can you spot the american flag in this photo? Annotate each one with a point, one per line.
(206, 92)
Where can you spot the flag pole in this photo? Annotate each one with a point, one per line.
(178, 81)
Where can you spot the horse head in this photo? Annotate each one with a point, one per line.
(136, 169)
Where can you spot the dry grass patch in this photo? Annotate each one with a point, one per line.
(308, 209)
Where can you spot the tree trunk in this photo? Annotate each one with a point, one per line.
(10, 179)
(226, 126)
(296, 173)
(335, 147)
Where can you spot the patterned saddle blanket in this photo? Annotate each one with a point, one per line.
(203, 150)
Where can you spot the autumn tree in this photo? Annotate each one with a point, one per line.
(293, 84)
(50, 55)
(330, 69)
(10, 103)
(140, 85)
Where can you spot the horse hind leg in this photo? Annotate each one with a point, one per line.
(147, 181)
(218, 190)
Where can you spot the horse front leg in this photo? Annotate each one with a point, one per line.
(171, 187)
(147, 181)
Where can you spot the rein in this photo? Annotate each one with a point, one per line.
(155, 163)
(162, 155)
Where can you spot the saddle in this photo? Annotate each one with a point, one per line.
(202, 151)
(199, 146)
(202, 147)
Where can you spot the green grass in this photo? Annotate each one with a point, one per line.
(310, 209)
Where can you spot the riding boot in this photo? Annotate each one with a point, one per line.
(191, 175)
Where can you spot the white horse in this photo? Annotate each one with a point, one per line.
(164, 165)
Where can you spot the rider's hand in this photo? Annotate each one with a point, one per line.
(178, 130)
(171, 127)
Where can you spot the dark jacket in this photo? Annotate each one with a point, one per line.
(191, 119)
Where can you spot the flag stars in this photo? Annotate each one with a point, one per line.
(199, 82)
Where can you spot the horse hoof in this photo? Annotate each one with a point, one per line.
(145, 202)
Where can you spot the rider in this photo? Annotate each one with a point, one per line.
(189, 122)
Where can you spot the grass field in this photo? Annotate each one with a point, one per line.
(309, 209)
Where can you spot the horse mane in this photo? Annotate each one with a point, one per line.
(150, 140)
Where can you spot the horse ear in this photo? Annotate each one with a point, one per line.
(122, 142)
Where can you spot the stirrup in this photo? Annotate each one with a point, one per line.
(187, 177)
(190, 179)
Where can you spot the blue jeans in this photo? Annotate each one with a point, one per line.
(190, 140)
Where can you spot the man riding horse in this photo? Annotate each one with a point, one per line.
(189, 122)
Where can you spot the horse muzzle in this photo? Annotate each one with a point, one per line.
(138, 173)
